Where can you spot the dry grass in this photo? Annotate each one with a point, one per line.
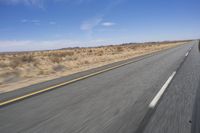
(21, 69)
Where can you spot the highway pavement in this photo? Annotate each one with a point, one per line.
(155, 94)
(174, 113)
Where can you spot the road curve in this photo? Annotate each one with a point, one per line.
(112, 102)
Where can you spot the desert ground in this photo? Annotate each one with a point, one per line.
(21, 69)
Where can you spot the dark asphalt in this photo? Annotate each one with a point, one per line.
(115, 101)
(174, 112)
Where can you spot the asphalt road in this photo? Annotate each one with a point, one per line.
(176, 109)
(116, 101)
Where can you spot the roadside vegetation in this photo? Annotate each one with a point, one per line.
(25, 68)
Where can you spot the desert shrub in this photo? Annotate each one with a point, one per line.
(69, 53)
(86, 62)
(90, 52)
(59, 68)
(120, 49)
(77, 51)
(15, 62)
(55, 59)
(61, 53)
(2, 65)
(133, 47)
(71, 58)
(27, 58)
(20, 60)
(99, 53)
(2, 57)
(41, 72)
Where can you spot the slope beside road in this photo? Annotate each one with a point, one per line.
(111, 102)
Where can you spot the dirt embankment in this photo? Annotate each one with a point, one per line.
(22, 69)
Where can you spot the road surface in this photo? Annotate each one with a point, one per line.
(117, 101)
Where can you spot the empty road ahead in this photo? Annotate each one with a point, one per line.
(117, 101)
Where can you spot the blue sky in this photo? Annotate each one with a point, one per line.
(51, 24)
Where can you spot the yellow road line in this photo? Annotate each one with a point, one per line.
(3, 103)
(62, 84)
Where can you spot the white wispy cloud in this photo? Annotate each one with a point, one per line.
(74, 1)
(88, 25)
(24, 20)
(107, 24)
(36, 21)
(33, 21)
(38, 3)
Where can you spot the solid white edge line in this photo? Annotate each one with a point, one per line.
(186, 54)
(161, 91)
